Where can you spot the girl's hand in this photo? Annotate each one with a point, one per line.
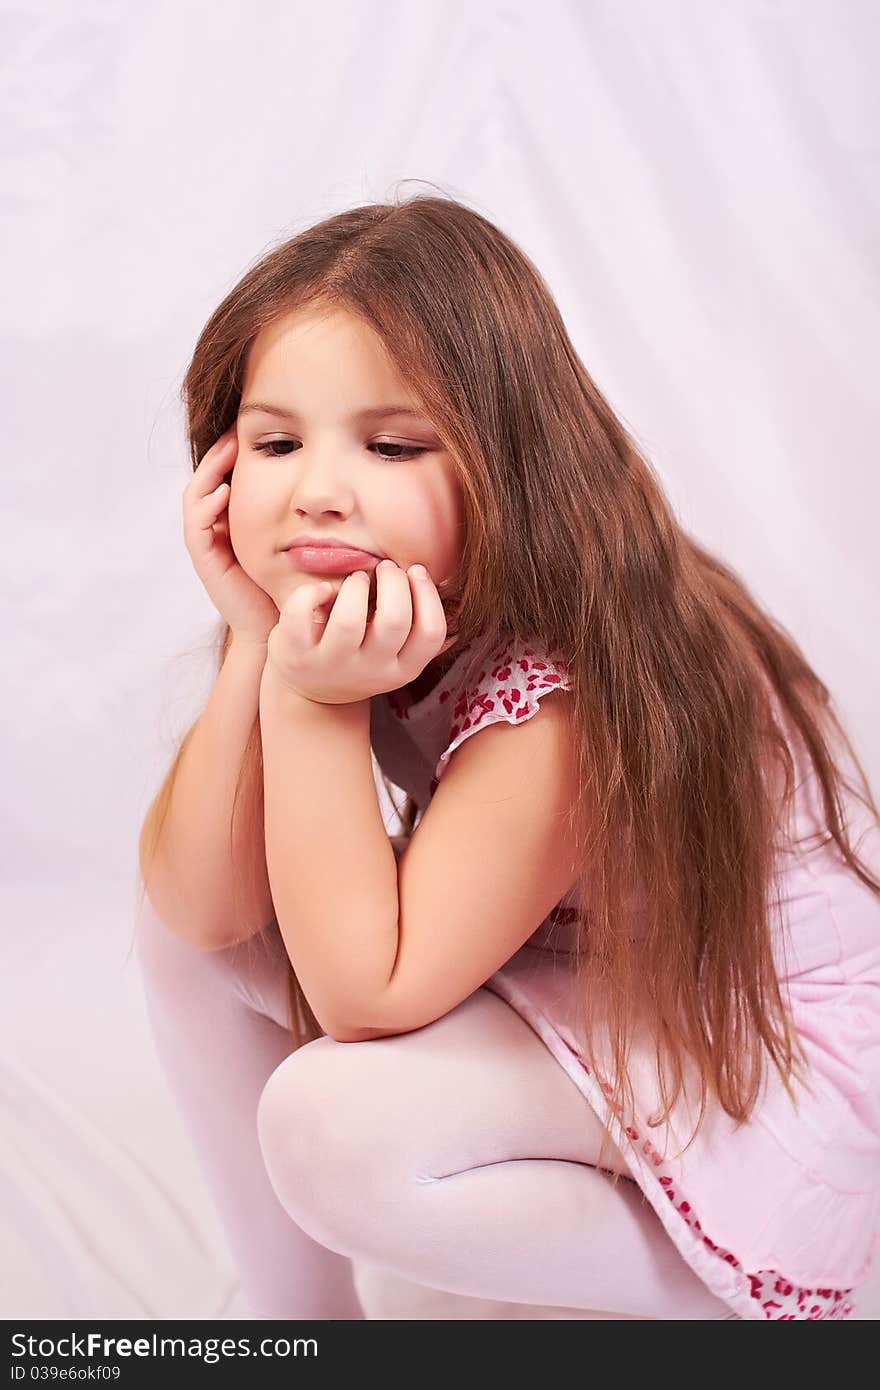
(343, 660)
(248, 609)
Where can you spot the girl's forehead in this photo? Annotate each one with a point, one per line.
(363, 391)
(313, 321)
(334, 339)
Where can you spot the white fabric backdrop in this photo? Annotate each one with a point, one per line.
(697, 181)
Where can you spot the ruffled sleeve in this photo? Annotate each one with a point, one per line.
(510, 688)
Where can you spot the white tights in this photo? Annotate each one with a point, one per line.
(460, 1155)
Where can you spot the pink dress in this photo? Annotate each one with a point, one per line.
(781, 1217)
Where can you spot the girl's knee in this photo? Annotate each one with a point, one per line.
(305, 1128)
(331, 1150)
(297, 1096)
(327, 1104)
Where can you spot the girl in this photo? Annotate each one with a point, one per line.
(602, 1028)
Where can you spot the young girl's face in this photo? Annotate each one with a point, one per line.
(324, 473)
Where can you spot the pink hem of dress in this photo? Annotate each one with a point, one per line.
(759, 1294)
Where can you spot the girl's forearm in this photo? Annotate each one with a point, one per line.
(331, 865)
(204, 893)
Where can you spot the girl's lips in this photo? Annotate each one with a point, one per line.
(315, 559)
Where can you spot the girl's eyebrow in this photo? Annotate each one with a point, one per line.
(370, 413)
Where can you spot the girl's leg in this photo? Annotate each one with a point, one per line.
(461, 1156)
(216, 1020)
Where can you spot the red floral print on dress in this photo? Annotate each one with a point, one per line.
(779, 1298)
(510, 689)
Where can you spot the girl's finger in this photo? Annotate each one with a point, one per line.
(429, 619)
(297, 614)
(213, 462)
(206, 511)
(212, 499)
(347, 623)
(395, 610)
(320, 613)
(218, 450)
(427, 597)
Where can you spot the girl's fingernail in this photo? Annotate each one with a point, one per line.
(418, 571)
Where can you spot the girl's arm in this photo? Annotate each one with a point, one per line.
(382, 948)
(331, 864)
(192, 880)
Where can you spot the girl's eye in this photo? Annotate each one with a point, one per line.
(409, 451)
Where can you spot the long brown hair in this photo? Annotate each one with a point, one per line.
(679, 676)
